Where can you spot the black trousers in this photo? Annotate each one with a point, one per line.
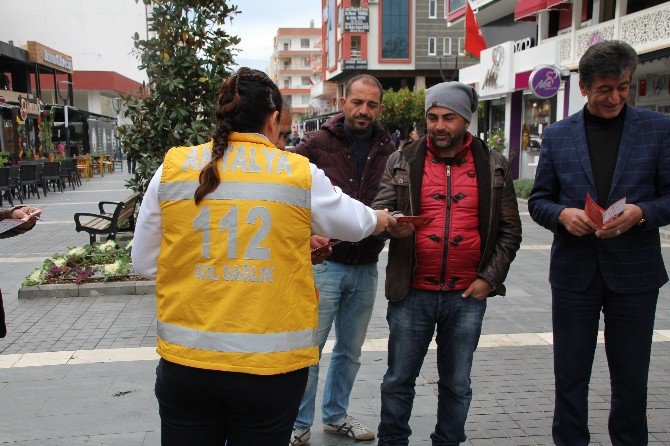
(132, 163)
(210, 407)
(629, 325)
(3, 327)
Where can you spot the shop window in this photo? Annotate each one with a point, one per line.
(432, 43)
(395, 29)
(447, 46)
(639, 5)
(355, 3)
(432, 9)
(496, 115)
(537, 115)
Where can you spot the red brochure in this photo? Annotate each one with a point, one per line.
(322, 249)
(600, 216)
(416, 221)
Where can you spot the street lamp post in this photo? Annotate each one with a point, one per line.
(66, 101)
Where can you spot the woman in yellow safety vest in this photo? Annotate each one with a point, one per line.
(225, 228)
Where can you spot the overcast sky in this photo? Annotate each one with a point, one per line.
(257, 23)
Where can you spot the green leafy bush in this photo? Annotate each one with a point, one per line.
(523, 187)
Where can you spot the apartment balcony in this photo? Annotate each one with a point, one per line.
(302, 52)
(294, 70)
(294, 90)
(323, 90)
(645, 31)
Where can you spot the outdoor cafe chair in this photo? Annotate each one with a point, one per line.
(66, 173)
(76, 175)
(5, 189)
(15, 183)
(52, 175)
(28, 179)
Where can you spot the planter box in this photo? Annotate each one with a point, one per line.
(140, 288)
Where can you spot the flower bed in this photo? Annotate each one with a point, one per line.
(99, 262)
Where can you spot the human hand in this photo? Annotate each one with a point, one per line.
(384, 220)
(479, 289)
(400, 230)
(30, 213)
(576, 222)
(316, 241)
(631, 216)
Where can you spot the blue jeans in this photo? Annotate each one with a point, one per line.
(346, 296)
(412, 323)
(629, 326)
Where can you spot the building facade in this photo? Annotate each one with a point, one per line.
(97, 34)
(404, 43)
(292, 68)
(528, 82)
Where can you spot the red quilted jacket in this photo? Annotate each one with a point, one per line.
(448, 250)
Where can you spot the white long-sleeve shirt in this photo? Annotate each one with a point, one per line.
(334, 215)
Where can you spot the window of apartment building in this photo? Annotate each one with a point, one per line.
(461, 46)
(432, 9)
(355, 47)
(355, 3)
(304, 43)
(432, 43)
(304, 98)
(451, 7)
(305, 62)
(304, 81)
(287, 83)
(395, 29)
(287, 64)
(287, 46)
(447, 46)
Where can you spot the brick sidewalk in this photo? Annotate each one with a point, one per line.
(87, 404)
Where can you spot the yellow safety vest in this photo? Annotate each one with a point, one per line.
(235, 288)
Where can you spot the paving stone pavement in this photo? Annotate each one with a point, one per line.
(113, 403)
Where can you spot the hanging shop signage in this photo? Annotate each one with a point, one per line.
(496, 70)
(544, 81)
(356, 20)
(28, 107)
(44, 55)
(355, 64)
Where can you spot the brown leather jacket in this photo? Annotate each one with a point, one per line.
(499, 222)
(330, 150)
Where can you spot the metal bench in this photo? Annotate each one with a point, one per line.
(109, 223)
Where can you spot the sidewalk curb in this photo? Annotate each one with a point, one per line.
(664, 231)
(137, 288)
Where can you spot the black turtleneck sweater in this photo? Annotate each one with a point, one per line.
(603, 137)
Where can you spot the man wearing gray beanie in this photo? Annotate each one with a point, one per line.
(452, 253)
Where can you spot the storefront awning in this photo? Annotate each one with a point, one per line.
(527, 9)
(559, 4)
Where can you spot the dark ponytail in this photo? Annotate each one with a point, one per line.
(246, 99)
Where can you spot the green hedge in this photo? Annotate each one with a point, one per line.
(523, 187)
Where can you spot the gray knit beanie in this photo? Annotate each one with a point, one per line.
(455, 96)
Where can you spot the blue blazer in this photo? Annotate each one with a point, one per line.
(631, 262)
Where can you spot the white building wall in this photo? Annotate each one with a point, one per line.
(96, 33)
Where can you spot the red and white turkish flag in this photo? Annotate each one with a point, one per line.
(474, 41)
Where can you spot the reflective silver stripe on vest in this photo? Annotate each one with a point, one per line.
(280, 193)
(236, 342)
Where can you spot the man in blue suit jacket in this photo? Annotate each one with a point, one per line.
(609, 150)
